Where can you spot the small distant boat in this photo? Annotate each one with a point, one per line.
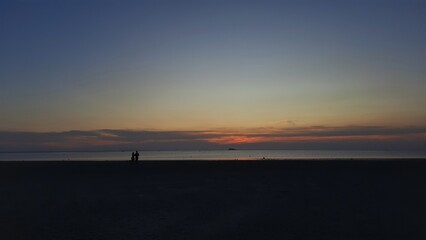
(231, 149)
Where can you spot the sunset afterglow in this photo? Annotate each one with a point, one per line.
(257, 74)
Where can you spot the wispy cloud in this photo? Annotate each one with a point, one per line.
(310, 137)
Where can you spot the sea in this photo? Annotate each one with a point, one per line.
(213, 155)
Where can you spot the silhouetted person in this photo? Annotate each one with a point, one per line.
(136, 156)
(133, 156)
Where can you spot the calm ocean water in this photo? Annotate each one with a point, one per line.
(208, 155)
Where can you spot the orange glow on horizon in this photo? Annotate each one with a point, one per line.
(236, 139)
(261, 139)
(118, 139)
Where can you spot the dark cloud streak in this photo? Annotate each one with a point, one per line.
(312, 137)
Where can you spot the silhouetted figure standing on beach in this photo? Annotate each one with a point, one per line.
(136, 156)
(133, 156)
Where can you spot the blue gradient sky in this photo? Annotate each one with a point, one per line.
(208, 65)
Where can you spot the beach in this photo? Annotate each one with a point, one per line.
(303, 199)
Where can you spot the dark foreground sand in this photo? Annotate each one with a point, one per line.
(213, 200)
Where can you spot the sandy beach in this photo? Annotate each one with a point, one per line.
(213, 200)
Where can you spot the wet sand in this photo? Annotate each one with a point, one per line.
(213, 200)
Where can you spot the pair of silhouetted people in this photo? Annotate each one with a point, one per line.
(135, 156)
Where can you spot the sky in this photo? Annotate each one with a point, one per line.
(207, 74)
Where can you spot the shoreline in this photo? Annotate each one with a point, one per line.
(232, 160)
